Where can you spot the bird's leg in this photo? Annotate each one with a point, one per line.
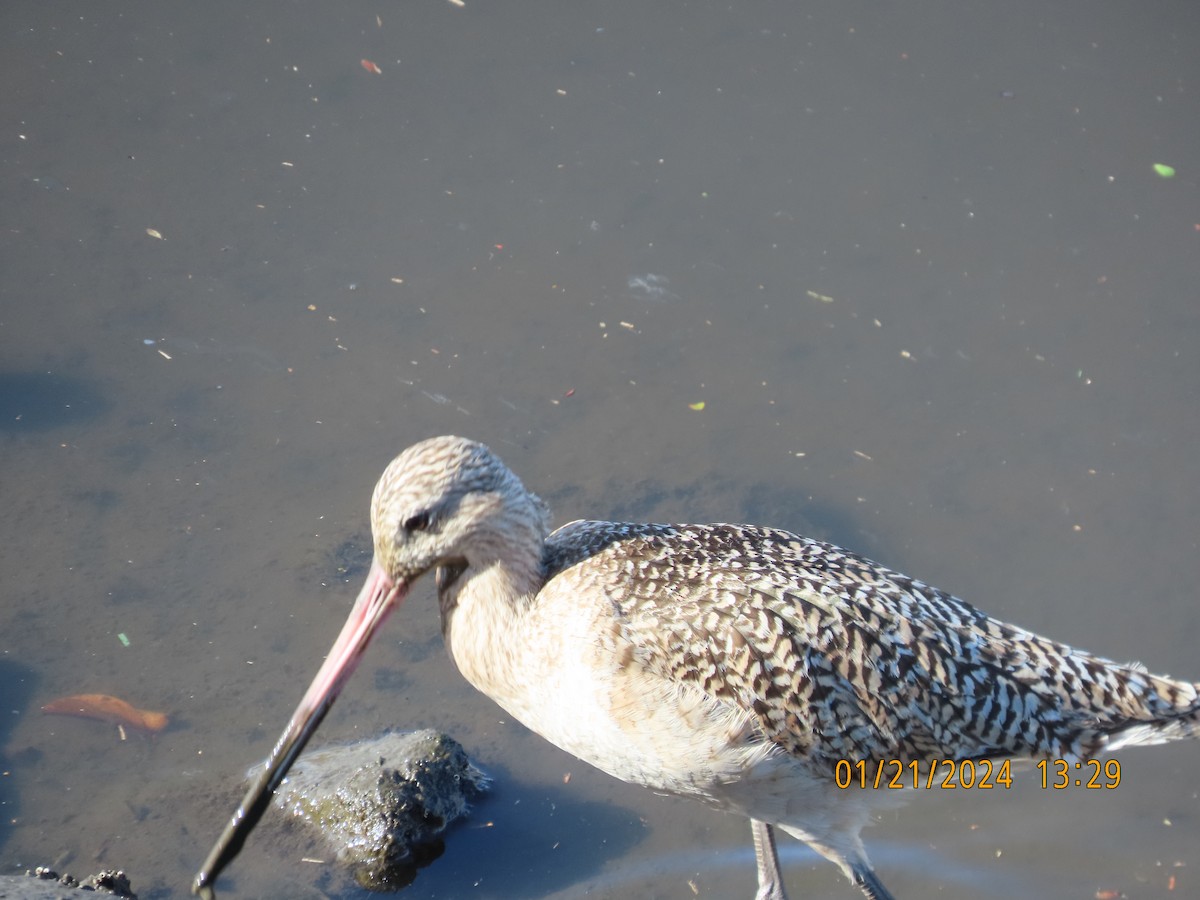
(770, 879)
(868, 881)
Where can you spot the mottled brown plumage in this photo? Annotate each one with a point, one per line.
(728, 663)
(839, 657)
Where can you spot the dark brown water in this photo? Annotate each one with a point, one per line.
(914, 260)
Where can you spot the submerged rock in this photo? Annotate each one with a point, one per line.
(383, 804)
(44, 884)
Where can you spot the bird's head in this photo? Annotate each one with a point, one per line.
(451, 500)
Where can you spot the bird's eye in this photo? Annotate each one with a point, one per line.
(419, 522)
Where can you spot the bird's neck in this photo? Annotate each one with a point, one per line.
(483, 606)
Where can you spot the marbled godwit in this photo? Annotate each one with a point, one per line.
(728, 663)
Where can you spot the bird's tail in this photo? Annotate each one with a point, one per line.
(1169, 711)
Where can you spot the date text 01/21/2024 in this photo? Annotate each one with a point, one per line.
(979, 774)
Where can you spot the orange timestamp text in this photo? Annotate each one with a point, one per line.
(1094, 774)
(972, 774)
(950, 774)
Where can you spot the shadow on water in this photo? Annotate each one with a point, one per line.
(534, 843)
(515, 843)
(16, 687)
(41, 401)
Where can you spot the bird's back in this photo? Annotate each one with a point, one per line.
(831, 656)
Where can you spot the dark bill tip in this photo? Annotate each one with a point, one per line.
(377, 598)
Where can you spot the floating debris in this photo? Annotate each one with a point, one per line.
(652, 286)
(107, 709)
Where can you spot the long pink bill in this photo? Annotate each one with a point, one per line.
(378, 597)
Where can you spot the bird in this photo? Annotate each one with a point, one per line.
(736, 665)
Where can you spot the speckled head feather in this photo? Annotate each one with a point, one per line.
(448, 498)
